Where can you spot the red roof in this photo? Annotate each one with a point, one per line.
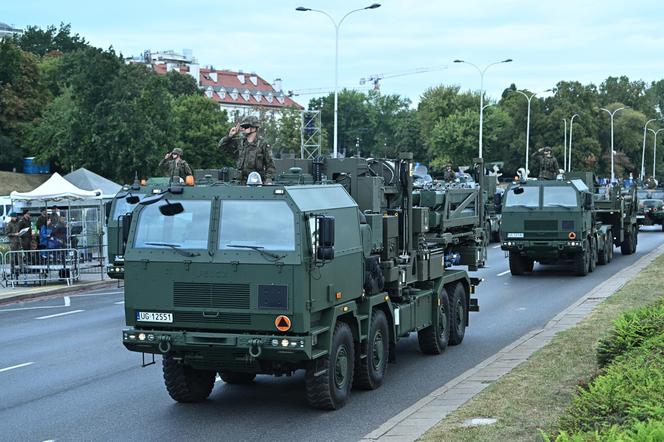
(229, 83)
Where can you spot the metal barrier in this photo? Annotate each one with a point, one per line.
(40, 266)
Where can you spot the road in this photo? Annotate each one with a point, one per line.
(64, 374)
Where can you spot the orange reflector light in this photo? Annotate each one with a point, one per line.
(338, 295)
(571, 235)
(283, 323)
(189, 180)
(143, 182)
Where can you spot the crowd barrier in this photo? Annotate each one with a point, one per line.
(43, 266)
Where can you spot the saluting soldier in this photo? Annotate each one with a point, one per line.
(253, 152)
(448, 174)
(549, 168)
(173, 165)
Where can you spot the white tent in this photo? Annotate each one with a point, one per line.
(88, 180)
(56, 189)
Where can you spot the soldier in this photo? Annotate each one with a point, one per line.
(173, 165)
(26, 237)
(43, 217)
(11, 230)
(549, 168)
(253, 152)
(448, 174)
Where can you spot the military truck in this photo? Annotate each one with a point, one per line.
(651, 207)
(324, 271)
(566, 221)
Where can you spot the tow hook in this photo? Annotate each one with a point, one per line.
(164, 344)
(255, 347)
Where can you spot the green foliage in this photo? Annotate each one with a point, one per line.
(650, 431)
(282, 130)
(630, 331)
(630, 390)
(42, 41)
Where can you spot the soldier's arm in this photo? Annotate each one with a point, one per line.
(228, 142)
(162, 162)
(187, 168)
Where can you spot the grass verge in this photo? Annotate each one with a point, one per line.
(532, 397)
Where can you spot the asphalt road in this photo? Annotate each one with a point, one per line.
(64, 374)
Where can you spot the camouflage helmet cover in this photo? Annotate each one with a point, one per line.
(251, 121)
(547, 149)
(177, 150)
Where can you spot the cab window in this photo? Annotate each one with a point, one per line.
(528, 198)
(559, 196)
(268, 225)
(186, 230)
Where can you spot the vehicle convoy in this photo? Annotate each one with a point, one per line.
(323, 271)
(651, 207)
(568, 220)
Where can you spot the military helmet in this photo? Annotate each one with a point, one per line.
(177, 150)
(250, 121)
(547, 149)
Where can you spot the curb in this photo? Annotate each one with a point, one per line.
(39, 292)
(426, 413)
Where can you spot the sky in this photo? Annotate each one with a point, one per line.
(549, 41)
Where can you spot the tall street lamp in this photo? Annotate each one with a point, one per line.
(643, 152)
(565, 146)
(571, 127)
(654, 150)
(337, 25)
(529, 99)
(612, 114)
(482, 71)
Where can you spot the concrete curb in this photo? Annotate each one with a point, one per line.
(417, 419)
(39, 292)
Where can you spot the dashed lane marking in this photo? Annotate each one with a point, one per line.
(496, 247)
(119, 302)
(67, 301)
(503, 273)
(25, 364)
(60, 314)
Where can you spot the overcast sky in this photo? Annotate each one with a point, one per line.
(549, 40)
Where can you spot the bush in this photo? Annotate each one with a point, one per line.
(630, 390)
(651, 431)
(630, 331)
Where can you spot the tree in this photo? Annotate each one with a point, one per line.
(42, 41)
(181, 84)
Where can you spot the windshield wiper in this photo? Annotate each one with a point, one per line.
(258, 249)
(522, 205)
(174, 247)
(559, 205)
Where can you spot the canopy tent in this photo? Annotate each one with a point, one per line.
(56, 189)
(88, 180)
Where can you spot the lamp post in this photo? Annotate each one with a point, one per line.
(337, 25)
(529, 99)
(643, 152)
(612, 114)
(482, 71)
(565, 146)
(654, 150)
(571, 126)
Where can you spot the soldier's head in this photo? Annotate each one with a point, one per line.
(448, 167)
(177, 152)
(547, 151)
(13, 216)
(26, 214)
(250, 124)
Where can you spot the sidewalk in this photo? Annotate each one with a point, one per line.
(417, 419)
(85, 282)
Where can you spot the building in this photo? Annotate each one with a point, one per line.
(8, 31)
(239, 93)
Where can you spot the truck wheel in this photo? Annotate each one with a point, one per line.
(662, 227)
(581, 264)
(487, 234)
(636, 239)
(236, 377)
(433, 339)
(528, 264)
(627, 246)
(609, 241)
(602, 255)
(593, 256)
(370, 371)
(330, 389)
(186, 384)
(495, 236)
(458, 310)
(516, 264)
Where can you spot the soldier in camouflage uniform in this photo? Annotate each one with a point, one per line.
(448, 174)
(253, 152)
(173, 164)
(549, 168)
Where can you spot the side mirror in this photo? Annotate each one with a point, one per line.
(325, 251)
(126, 223)
(587, 201)
(171, 209)
(518, 190)
(132, 199)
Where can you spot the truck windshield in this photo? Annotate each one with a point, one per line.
(122, 207)
(528, 198)
(186, 230)
(269, 225)
(559, 197)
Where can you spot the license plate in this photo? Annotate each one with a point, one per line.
(640, 216)
(515, 235)
(154, 317)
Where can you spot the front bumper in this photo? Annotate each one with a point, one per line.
(115, 271)
(550, 249)
(200, 344)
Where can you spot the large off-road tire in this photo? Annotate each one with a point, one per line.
(581, 259)
(331, 389)
(593, 256)
(603, 255)
(370, 371)
(236, 377)
(627, 246)
(517, 264)
(609, 240)
(433, 339)
(636, 239)
(495, 236)
(186, 384)
(528, 264)
(458, 313)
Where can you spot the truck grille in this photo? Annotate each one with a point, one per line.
(206, 295)
(540, 224)
(222, 318)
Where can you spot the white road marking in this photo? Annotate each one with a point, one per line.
(119, 302)
(25, 364)
(496, 247)
(67, 301)
(60, 314)
(503, 273)
(521, 309)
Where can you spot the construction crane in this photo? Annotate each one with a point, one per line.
(375, 79)
(319, 91)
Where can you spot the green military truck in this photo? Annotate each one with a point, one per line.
(566, 221)
(323, 271)
(651, 207)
